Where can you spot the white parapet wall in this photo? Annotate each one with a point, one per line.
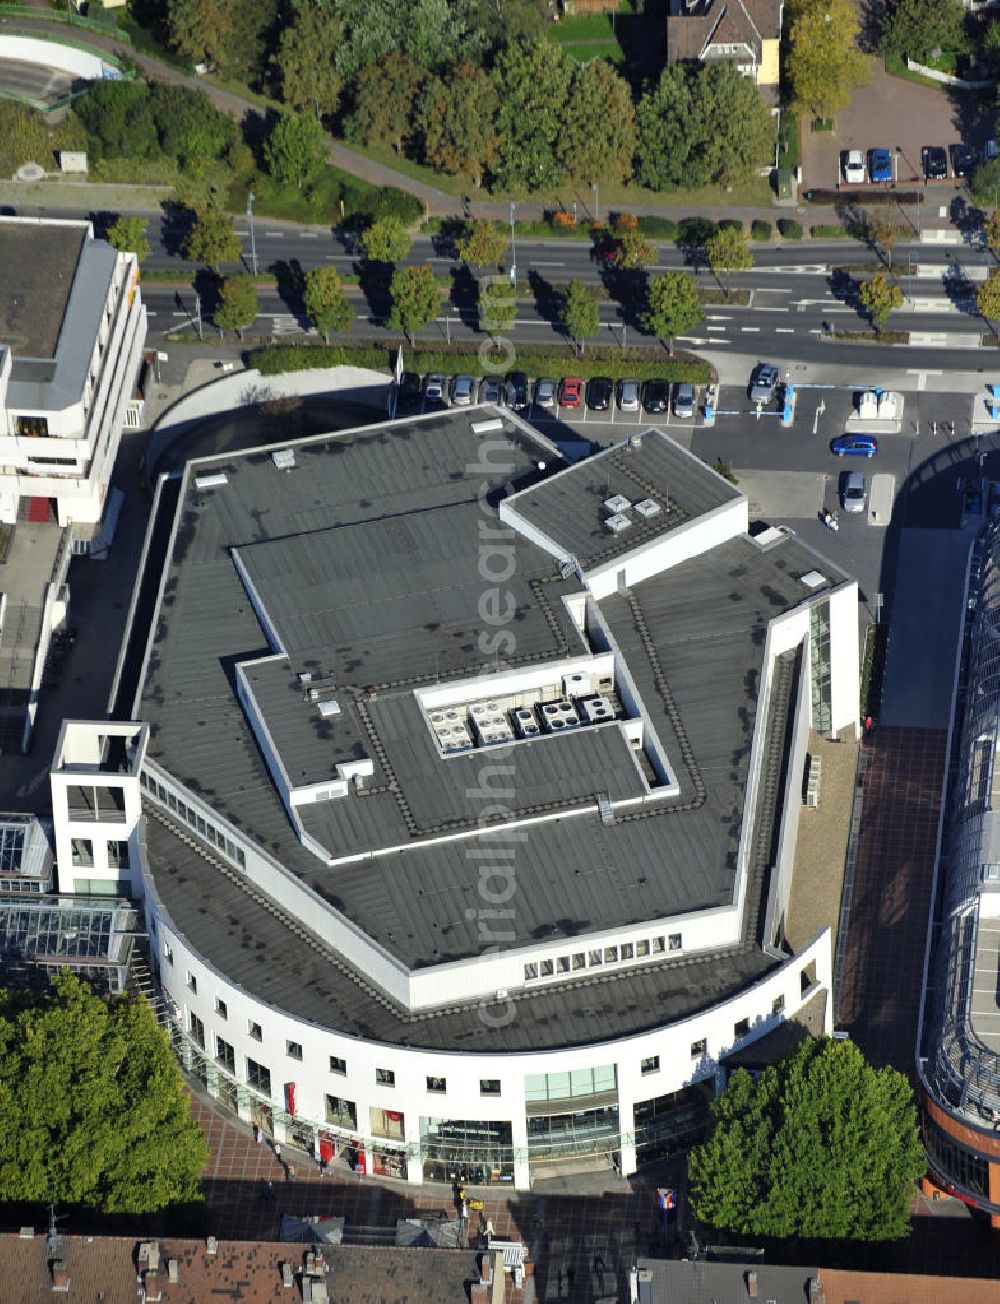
(88, 64)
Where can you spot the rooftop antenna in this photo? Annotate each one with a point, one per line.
(54, 1239)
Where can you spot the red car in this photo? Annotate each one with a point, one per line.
(571, 392)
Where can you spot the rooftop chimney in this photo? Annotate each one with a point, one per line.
(60, 1276)
(751, 1280)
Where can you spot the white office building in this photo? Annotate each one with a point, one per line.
(72, 327)
(460, 788)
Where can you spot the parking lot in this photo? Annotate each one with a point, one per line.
(896, 114)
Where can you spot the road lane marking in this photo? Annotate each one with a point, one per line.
(784, 330)
(750, 330)
(710, 329)
(548, 264)
(274, 235)
(308, 235)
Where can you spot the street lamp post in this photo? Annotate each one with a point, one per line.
(513, 248)
(253, 243)
(597, 200)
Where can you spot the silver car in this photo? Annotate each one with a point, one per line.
(854, 492)
(463, 390)
(545, 393)
(436, 390)
(684, 400)
(628, 395)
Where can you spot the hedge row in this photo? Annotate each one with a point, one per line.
(536, 360)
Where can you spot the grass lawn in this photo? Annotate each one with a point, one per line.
(335, 195)
(609, 50)
(584, 27)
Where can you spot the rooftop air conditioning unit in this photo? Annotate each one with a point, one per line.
(596, 709)
(576, 685)
(619, 503)
(648, 507)
(617, 523)
(283, 459)
(212, 481)
(328, 708)
(526, 723)
(559, 715)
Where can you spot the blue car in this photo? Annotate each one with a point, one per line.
(854, 446)
(880, 165)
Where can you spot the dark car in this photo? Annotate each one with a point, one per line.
(409, 391)
(655, 394)
(935, 162)
(963, 160)
(854, 446)
(516, 389)
(599, 393)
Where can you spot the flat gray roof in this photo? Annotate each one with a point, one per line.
(54, 283)
(348, 554)
(571, 508)
(38, 262)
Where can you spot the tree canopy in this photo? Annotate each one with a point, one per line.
(386, 240)
(237, 307)
(533, 83)
(913, 28)
(416, 299)
(93, 1104)
(673, 306)
(385, 96)
(212, 239)
(824, 65)
(880, 297)
(128, 236)
(579, 313)
(456, 121)
(598, 137)
(304, 60)
(483, 244)
(497, 305)
(728, 250)
(702, 125)
(327, 304)
(988, 297)
(821, 1145)
(295, 151)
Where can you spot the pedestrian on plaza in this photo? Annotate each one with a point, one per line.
(270, 1190)
(277, 1152)
(259, 1134)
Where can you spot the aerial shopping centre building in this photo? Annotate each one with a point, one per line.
(461, 786)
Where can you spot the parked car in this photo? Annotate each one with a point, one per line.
(963, 160)
(854, 446)
(935, 162)
(436, 391)
(545, 393)
(571, 392)
(516, 390)
(599, 393)
(628, 395)
(763, 382)
(491, 391)
(655, 394)
(880, 165)
(854, 492)
(854, 167)
(684, 397)
(463, 390)
(408, 391)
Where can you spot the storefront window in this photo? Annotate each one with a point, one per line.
(483, 1152)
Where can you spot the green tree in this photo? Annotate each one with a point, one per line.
(673, 306)
(295, 151)
(821, 1145)
(416, 299)
(456, 122)
(633, 251)
(190, 127)
(532, 81)
(94, 1107)
(497, 305)
(118, 119)
(385, 96)
(728, 251)
(986, 184)
(913, 28)
(327, 304)
(305, 57)
(598, 137)
(386, 240)
(702, 126)
(237, 307)
(128, 236)
(824, 65)
(883, 233)
(879, 296)
(212, 239)
(579, 314)
(201, 29)
(988, 297)
(991, 230)
(482, 245)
